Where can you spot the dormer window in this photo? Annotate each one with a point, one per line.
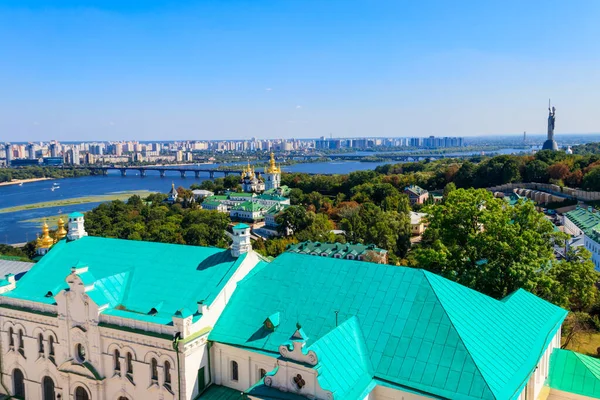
(272, 322)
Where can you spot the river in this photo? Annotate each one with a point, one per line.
(13, 229)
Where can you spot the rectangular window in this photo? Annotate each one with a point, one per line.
(201, 381)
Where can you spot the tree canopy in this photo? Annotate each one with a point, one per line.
(483, 243)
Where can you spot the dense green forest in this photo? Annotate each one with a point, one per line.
(8, 174)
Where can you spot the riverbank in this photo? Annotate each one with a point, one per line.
(76, 201)
(19, 181)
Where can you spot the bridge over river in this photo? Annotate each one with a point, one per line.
(183, 170)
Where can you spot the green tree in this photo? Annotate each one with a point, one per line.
(536, 171)
(318, 229)
(294, 219)
(575, 281)
(497, 171)
(449, 188)
(466, 175)
(479, 241)
(591, 180)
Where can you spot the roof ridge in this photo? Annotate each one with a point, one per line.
(585, 360)
(426, 274)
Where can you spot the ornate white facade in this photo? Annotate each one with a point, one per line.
(70, 349)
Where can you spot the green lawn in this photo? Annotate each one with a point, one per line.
(587, 343)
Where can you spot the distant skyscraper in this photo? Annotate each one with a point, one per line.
(53, 149)
(8, 152)
(75, 155)
(31, 151)
(550, 143)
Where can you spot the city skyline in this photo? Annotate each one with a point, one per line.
(91, 70)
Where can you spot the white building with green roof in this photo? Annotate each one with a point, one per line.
(248, 207)
(100, 318)
(325, 328)
(112, 319)
(586, 222)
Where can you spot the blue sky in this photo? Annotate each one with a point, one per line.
(151, 69)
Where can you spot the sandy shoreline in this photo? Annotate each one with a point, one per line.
(17, 181)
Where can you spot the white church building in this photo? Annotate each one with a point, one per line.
(112, 319)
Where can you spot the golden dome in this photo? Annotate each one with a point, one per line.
(272, 168)
(61, 232)
(45, 241)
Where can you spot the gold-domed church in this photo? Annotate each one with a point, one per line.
(250, 182)
(272, 174)
(45, 241)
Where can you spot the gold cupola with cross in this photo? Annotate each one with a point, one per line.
(272, 174)
(44, 242)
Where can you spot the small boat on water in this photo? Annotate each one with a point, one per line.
(21, 184)
(53, 188)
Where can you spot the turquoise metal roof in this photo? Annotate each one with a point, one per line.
(421, 331)
(216, 392)
(344, 365)
(133, 277)
(241, 226)
(584, 219)
(574, 373)
(75, 215)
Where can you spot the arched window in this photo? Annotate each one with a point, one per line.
(80, 352)
(48, 392)
(21, 344)
(41, 343)
(129, 363)
(51, 348)
(234, 371)
(11, 337)
(117, 361)
(154, 369)
(167, 370)
(18, 384)
(123, 398)
(81, 394)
